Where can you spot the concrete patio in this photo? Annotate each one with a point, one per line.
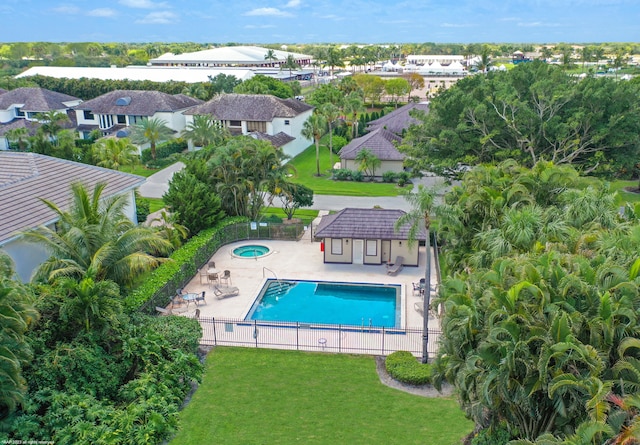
(301, 260)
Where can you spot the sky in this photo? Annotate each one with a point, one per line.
(321, 21)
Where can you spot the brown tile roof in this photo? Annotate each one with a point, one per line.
(364, 224)
(2, 90)
(380, 142)
(35, 99)
(26, 177)
(32, 126)
(277, 140)
(398, 120)
(142, 103)
(250, 107)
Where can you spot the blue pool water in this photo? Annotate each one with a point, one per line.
(251, 251)
(328, 303)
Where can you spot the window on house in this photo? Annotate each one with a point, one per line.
(235, 123)
(286, 122)
(19, 112)
(336, 246)
(372, 247)
(257, 126)
(122, 119)
(88, 115)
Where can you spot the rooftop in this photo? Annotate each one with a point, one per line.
(138, 103)
(250, 107)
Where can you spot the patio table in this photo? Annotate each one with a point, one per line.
(190, 297)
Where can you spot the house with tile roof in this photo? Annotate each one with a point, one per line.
(25, 178)
(260, 115)
(113, 112)
(367, 236)
(382, 143)
(399, 119)
(21, 108)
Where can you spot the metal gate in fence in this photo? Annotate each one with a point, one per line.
(315, 337)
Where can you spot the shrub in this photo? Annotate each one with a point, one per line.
(338, 142)
(403, 178)
(342, 174)
(357, 176)
(404, 367)
(164, 151)
(389, 176)
(142, 208)
(492, 436)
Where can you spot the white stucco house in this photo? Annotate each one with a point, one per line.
(113, 112)
(259, 115)
(25, 178)
(21, 108)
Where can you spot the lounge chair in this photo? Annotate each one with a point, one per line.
(222, 292)
(163, 311)
(200, 298)
(396, 266)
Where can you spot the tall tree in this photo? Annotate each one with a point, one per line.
(313, 128)
(418, 218)
(204, 130)
(291, 64)
(352, 106)
(19, 136)
(333, 59)
(367, 162)
(416, 82)
(114, 153)
(151, 131)
(330, 113)
(51, 122)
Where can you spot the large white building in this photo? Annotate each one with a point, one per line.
(231, 56)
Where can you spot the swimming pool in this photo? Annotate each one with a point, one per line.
(358, 304)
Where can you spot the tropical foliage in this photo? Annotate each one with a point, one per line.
(539, 327)
(530, 113)
(150, 131)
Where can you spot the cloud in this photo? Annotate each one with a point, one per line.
(143, 4)
(158, 18)
(456, 25)
(293, 4)
(271, 12)
(102, 12)
(67, 9)
(538, 25)
(259, 26)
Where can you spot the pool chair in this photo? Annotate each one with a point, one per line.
(222, 292)
(396, 266)
(226, 277)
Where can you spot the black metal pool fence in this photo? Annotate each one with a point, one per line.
(315, 337)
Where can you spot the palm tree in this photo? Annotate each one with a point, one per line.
(271, 55)
(17, 316)
(334, 59)
(51, 122)
(422, 204)
(195, 90)
(18, 135)
(367, 162)
(485, 60)
(314, 128)
(352, 106)
(95, 238)
(290, 63)
(330, 112)
(204, 130)
(114, 153)
(150, 131)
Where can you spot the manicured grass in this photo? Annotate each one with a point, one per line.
(139, 170)
(624, 195)
(261, 396)
(305, 215)
(155, 204)
(305, 173)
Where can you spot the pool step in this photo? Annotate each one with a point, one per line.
(278, 288)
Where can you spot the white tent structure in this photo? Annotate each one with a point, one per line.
(390, 66)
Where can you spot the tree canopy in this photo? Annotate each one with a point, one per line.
(530, 113)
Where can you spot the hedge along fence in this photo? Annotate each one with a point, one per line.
(161, 285)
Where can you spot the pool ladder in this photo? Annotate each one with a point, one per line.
(280, 288)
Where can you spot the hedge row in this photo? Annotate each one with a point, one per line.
(160, 285)
(405, 368)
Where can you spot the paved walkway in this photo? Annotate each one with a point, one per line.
(157, 184)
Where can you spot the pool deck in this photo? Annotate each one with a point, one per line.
(298, 260)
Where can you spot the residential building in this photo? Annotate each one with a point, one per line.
(382, 143)
(26, 178)
(367, 236)
(21, 108)
(399, 119)
(263, 116)
(113, 112)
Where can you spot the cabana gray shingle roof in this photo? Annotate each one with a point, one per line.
(364, 224)
(138, 103)
(35, 99)
(250, 107)
(380, 142)
(398, 120)
(27, 177)
(277, 140)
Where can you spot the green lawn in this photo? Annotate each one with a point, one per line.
(139, 170)
(261, 396)
(305, 171)
(624, 195)
(305, 215)
(155, 204)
